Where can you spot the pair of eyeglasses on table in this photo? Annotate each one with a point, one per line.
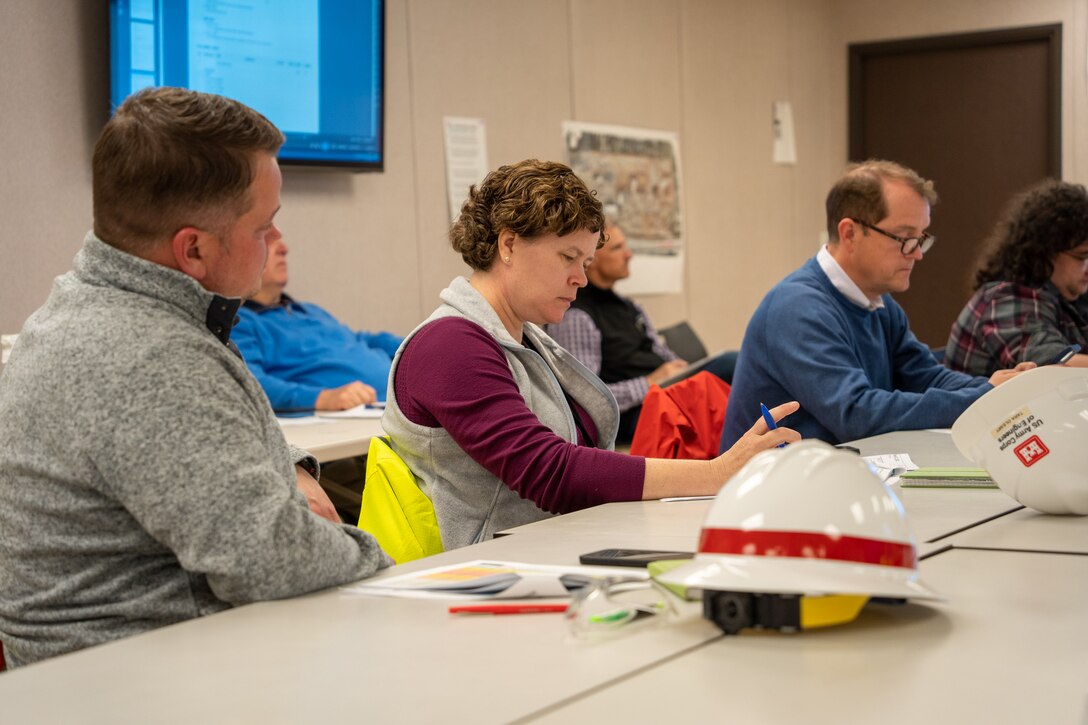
(608, 604)
(601, 606)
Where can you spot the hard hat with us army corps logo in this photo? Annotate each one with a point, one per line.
(801, 537)
(1031, 434)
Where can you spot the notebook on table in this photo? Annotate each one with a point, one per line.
(947, 477)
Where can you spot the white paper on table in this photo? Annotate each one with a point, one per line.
(303, 421)
(366, 410)
(888, 465)
(674, 499)
(488, 580)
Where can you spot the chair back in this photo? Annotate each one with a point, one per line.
(682, 340)
(394, 509)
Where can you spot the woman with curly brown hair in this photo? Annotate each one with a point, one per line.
(1029, 300)
(499, 424)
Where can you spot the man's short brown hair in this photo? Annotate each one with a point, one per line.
(530, 198)
(859, 192)
(171, 158)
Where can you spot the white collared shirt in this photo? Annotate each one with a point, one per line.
(842, 282)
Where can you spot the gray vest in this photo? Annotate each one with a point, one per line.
(469, 502)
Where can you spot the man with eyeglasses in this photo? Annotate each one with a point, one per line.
(830, 335)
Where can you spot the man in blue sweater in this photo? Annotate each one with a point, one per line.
(303, 357)
(831, 337)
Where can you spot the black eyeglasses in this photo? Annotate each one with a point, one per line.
(907, 245)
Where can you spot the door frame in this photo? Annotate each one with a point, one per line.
(1051, 34)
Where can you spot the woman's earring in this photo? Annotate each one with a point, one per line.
(506, 259)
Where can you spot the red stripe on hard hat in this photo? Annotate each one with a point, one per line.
(807, 545)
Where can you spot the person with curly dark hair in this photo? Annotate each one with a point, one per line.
(1029, 301)
(500, 425)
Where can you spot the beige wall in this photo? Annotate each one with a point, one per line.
(372, 248)
(53, 89)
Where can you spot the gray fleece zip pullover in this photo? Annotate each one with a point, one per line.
(143, 477)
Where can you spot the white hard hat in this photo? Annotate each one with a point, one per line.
(1031, 434)
(805, 520)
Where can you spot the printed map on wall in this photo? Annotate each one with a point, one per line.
(636, 174)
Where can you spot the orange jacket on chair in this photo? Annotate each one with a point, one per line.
(683, 420)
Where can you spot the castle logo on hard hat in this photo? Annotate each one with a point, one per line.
(1031, 451)
(1040, 414)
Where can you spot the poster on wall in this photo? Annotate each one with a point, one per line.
(636, 174)
(466, 159)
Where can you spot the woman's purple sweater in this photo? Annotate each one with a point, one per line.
(454, 375)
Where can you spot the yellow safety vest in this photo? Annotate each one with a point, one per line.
(394, 510)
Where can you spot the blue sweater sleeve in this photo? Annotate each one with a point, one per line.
(855, 372)
(256, 347)
(914, 367)
(813, 352)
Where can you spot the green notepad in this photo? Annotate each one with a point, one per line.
(950, 477)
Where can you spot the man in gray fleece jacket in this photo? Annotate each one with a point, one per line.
(143, 477)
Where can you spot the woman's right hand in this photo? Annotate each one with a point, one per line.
(758, 439)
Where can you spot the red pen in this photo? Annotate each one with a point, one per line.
(507, 608)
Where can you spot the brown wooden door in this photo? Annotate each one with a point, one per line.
(980, 115)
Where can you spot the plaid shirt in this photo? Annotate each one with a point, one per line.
(1005, 323)
(579, 334)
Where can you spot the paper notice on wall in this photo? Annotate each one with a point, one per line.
(466, 159)
(784, 150)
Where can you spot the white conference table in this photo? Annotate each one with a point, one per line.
(1009, 646)
(332, 438)
(1028, 530)
(934, 513)
(1011, 643)
(333, 657)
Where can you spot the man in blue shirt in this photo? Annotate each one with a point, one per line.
(830, 335)
(303, 357)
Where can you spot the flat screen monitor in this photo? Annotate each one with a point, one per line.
(313, 67)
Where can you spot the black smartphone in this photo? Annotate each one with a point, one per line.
(1065, 355)
(631, 557)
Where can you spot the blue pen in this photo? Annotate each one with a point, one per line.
(1065, 355)
(769, 420)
